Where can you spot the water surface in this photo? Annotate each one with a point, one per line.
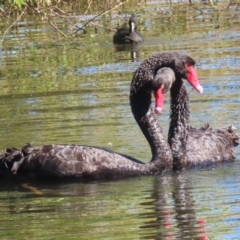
(53, 92)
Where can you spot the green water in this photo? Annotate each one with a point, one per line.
(56, 92)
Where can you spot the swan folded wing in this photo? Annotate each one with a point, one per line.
(64, 160)
(98, 163)
(212, 146)
(69, 161)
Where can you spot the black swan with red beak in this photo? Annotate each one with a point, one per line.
(193, 147)
(85, 162)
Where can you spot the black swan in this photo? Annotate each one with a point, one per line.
(128, 35)
(193, 147)
(90, 162)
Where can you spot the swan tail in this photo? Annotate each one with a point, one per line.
(13, 158)
(231, 131)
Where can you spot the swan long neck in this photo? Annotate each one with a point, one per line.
(140, 99)
(179, 122)
(147, 120)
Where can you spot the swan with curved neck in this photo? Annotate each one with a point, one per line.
(95, 163)
(193, 147)
(147, 78)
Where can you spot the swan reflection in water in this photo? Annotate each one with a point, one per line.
(163, 206)
(132, 48)
(174, 209)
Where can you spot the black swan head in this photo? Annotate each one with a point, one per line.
(132, 24)
(151, 77)
(128, 35)
(183, 66)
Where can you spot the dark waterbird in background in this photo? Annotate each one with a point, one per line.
(128, 35)
(85, 162)
(193, 147)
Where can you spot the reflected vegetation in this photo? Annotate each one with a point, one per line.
(56, 91)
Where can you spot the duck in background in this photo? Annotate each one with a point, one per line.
(128, 35)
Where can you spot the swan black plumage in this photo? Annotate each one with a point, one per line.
(128, 35)
(87, 162)
(193, 147)
(90, 162)
(146, 78)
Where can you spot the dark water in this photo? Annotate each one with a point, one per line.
(53, 92)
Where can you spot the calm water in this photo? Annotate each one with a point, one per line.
(53, 92)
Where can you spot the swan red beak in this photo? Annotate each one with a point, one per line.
(192, 78)
(159, 99)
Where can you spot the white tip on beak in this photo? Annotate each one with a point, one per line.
(158, 110)
(199, 88)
